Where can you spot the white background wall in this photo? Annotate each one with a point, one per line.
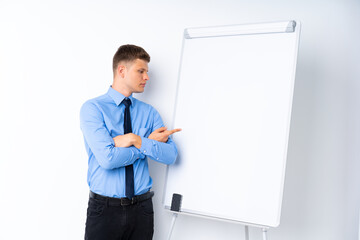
(56, 54)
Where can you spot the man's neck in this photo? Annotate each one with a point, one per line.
(121, 89)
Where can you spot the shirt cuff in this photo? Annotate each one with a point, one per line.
(138, 155)
(146, 145)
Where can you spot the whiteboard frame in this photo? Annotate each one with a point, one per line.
(186, 36)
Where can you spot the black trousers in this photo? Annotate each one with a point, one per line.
(132, 222)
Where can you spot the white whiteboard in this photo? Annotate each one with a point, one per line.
(233, 103)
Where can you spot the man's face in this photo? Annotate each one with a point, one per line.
(135, 76)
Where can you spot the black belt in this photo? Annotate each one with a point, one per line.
(122, 201)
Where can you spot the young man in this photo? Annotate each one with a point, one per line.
(120, 132)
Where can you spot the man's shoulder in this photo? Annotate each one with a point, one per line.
(99, 100)
(96, 103)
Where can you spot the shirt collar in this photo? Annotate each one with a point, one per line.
(118, 97)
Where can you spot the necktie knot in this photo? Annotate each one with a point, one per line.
(127, 102)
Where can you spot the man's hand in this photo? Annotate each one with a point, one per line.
(162, 134)
(128, 140)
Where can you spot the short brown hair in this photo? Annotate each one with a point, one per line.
(129, 53)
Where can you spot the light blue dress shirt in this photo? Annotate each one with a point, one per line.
(102, 119)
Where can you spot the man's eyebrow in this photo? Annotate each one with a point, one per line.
(145, 69)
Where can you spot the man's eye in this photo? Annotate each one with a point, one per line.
(141, 71)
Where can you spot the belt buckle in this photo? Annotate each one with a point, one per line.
(125, 201)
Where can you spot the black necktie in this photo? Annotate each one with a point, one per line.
(129, 171)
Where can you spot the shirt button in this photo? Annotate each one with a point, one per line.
(144, 151)
(157, 158)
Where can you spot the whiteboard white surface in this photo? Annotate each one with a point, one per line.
(234, 101)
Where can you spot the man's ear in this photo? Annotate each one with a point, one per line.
(121, 69)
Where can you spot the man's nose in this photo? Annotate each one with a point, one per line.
(146, 76)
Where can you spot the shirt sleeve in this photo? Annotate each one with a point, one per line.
(101, 143)
(161, 152)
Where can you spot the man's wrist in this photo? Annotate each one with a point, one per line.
(137, 141)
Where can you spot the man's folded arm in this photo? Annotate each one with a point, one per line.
(159, 145)
(161, 152)
(101, 143)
